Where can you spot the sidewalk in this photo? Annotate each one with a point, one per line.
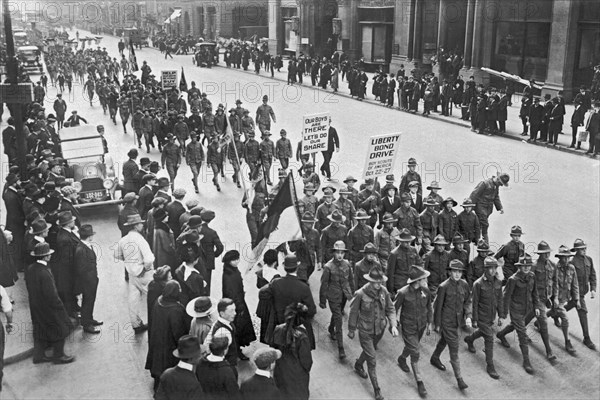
(19, 343)
(513, 124)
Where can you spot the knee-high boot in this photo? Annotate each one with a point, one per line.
(583, 320)
(526, 362)
(419, 379)
(373, 377)
(502, 335)
(457, 374)
(489, 360)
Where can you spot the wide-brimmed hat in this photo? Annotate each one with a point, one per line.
(350, 178)
(434, 185)
(405, 197)
(41, 250)
(439, 239)
(388, 217)
(339, 246)
(456, 265)
(187, 347)
(327, 188)
(405, 236)
(490, 262)
(375, 275)
(579, 244)
(309, 186)
(543, 247)
(412, 161)
(308, 217)
(134, 219)
(369, 248)
(563, 251)
(516, 230)
(39, 226)
(390, 178)
(450, 199)
(336, 216)
(482, 245)
(291, 263)
(362, 214)
(504, 178)
(524, 260)
(413, 183)
(458, 238)
(467, 203)
(65, 217)
(417, 272)
(430, 201)
(200, 307)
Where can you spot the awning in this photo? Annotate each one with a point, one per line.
(176, 14)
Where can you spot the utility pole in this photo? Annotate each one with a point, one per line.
(13, 93)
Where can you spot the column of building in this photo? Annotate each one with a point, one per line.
(348, 13)
(275, 27)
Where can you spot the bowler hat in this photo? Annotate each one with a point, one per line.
(187, 347)
(144, 161)
(336, 216)
(148, 177)
(439, 239)
(339, 246)
(11, 179)
(361, 214)
(290, 263)
(65, 217)
(163, 182)
(405, 236)
(563, 251)
(195, 221)
(434, 185)
(369, 248)
(375, 275)
(543, 247)
(41, 250)
(417, 272)
(200, 307)
(134, 219)
(579, 244)
(516, 230)
(456, 265)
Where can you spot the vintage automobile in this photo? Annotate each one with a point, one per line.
(135, 36)
(31, 58)
(205, 54)
(92, 171)
(20, 38)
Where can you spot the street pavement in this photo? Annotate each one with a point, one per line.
(552, 195)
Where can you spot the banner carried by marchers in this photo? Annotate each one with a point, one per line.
(381, 155)
(169, 79)
(315, 133)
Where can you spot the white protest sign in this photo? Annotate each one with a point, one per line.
(169, 79)
(381, 155)
(315, 133)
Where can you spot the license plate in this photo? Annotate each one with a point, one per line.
(94, 195)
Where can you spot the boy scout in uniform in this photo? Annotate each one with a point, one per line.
(311, 237)
(476, 265)
(566, 290)
(366, 264)
(436, 262)
(486, 196)
(414, 303)
(251, 152)
(310, 200)
(325, 209)
(370, 200)
(335, 232)
(386, 240)
(267, 152)
(335, 285)
(458, 251)
(429, 217)
(586, 276)
(511, 252)
(371, 310)
(346, 207)
(401, 259)
(520, 297)
(452, 304)
(487, 303)
(359, 236)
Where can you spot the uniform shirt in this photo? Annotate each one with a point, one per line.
(310, 204)
(399, 263)
(323, 211)
(329, 236)
(264, 113)
(448, 223)
(430, 222)
(452, 303)
(335, 282)
(511, 252)
(171, 154)
(283, 148)
(468, 226)
(476, 269)
(371, 310)
(409, 219)
(437, 263)
(358, 237)
(135, 251)
(461, 256)
(347, 209)
(544, 272)
(566, 286)
(486, 193)
(586, 275)
(194, 153)
(520, 295)
(416, 309)
(385, 242)
(267, 150)
(487, 299)
(251, 151)
(362, 268)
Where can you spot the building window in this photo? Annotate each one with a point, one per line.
(521, 48)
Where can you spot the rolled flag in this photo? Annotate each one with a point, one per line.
(183, 87)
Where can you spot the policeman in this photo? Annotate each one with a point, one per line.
(194, 156)
(366, 264)
(511, 252)
(401, 259)
(335, 286)
(436, 262)
(371, 309)
(586, 276)
(487, 303)
(486, 196)
(452, 304)
(414, 302)
(333, 233)
(520, 298)
(171, 157)
(267, 152)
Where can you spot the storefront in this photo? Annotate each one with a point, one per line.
(376, 26)
(588, 44)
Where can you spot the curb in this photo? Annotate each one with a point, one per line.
(435, 117)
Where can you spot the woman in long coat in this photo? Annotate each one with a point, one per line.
(155, 288)
(163, 242)
(8, 272)
(233, 288)
(292, 370)
(169, 323)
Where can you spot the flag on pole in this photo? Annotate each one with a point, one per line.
(132, 58)
(182, 82)
(281, 223)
